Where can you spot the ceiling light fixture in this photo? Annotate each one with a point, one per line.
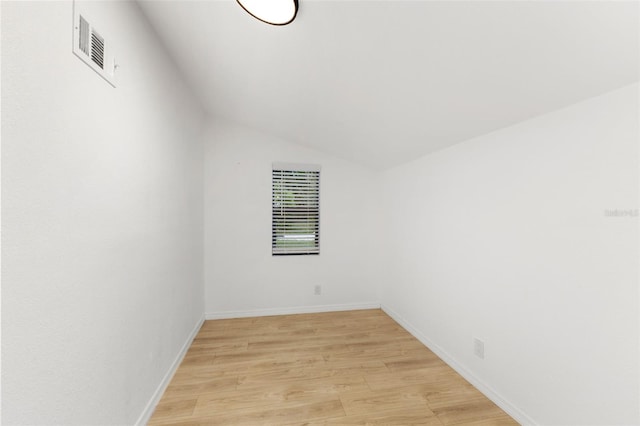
(274, 12)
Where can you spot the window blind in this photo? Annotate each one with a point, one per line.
(295, 210)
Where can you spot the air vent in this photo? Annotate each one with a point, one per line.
(97, 49)
(90, 46)
(84, 36)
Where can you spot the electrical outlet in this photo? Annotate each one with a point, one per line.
(317, 290)
(478, 348)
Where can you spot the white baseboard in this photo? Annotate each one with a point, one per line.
(292, 310)
(151, 405)
(501, 402)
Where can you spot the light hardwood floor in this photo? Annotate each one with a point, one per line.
(338, 368)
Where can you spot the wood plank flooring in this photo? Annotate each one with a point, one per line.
(338, 368)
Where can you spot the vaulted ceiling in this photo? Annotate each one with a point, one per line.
(382, 82)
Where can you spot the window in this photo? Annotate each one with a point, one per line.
(295, 222)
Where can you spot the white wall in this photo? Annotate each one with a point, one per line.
(241, 275)
(102, 218)
(505, 238)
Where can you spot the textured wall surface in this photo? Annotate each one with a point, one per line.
(508, 238)
(102, 218)
(241, 274)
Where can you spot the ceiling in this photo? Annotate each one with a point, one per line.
(383, 82)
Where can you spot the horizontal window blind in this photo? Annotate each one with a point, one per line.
(295, 210)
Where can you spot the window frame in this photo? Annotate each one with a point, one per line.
(301, 183)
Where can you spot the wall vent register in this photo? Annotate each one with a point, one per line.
(295, 226)
(91, 47)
